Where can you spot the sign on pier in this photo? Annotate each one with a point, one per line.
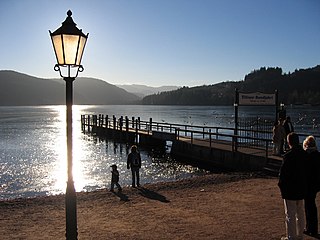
(257, 99)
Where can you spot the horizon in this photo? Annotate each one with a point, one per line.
(144, 85)
(167, 43)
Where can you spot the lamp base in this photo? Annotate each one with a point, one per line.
(71, 212)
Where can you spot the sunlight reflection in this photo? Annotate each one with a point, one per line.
(79, 152)
(60, 148)
(92, 158)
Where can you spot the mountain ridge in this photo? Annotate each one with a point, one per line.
(143, 90)
(299, 87)
(21, 89)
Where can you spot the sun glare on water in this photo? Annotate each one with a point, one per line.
(59, 173)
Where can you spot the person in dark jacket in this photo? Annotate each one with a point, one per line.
(313, 174)
(288, 127)
(134, 162)
(293, 184)
(287, 124)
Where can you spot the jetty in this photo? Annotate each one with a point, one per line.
(210, 147)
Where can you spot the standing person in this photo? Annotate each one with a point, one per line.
(292, 184)
(313, 172)
(115, 178)
(134, 162)
(287, 124)
(288, 127)
(278, 136)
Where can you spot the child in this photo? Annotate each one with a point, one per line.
(115, 178)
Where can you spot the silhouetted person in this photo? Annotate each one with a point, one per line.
(134, 162)
(287, 124)
(293, 184)
(278, 136)
(288, 127)
(115, 178)
(313, 172)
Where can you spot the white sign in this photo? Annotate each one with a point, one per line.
(257, 99)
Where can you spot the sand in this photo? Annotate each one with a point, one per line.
(215, 206)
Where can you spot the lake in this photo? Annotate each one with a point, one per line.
(33, 145)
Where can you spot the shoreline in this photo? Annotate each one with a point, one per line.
(161, 184)
(164, 182)
(214, 206)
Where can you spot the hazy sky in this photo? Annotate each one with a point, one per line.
(164, 42)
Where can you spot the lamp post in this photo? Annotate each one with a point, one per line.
(68, 43)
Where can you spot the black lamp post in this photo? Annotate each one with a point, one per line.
(68, 43)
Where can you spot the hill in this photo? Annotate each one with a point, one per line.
(300, 87)
(142, 90)
(21, 89)
(94, 91)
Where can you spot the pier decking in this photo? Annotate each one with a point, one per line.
(214, 147)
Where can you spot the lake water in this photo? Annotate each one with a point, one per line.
(33, 145)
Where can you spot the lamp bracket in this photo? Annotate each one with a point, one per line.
(72, 71)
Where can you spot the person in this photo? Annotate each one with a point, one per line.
(134, 162)
(287, 124)
(288, 127)
(115, 178)
(278, 135)
(292, 184)
(313, 172)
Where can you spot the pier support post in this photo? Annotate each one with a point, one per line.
(236, 106)
(121, 122)
(114, 122)
(136, 138)
(150, 124)
(127, 124)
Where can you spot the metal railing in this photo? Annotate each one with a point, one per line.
(248, 138)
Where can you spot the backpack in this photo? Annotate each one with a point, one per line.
(135, 160)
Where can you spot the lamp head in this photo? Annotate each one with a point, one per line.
(68, 43)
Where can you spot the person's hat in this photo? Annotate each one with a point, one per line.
(113, 166)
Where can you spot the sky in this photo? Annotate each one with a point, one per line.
(164, 42)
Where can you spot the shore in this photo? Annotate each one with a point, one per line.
(215, 206)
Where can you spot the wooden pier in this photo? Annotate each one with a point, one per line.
(214, 147)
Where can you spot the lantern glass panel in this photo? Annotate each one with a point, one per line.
(70, 44)
(82, 44)
(57, 44)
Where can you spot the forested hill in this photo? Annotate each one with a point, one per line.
(21, 89)
(300, 87)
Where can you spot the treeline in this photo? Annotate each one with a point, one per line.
(300, 87)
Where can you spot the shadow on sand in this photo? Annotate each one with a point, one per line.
(121, 196)
(152, 195)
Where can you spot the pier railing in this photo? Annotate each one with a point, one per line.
(246, 138)
(193, 133)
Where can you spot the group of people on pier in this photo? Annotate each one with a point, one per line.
(299, 183)
(280, 131)
(299, 179)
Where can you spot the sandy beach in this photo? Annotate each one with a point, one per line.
(215, 206)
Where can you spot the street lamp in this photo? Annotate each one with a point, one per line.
(68, 43)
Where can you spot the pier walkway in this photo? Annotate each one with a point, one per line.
(217, 147)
